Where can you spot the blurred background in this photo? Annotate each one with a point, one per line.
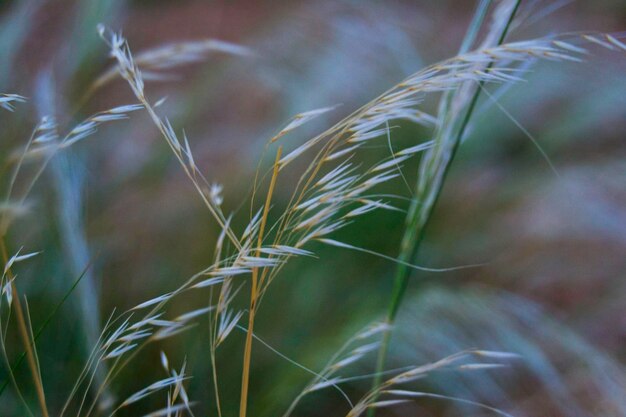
(554, 246)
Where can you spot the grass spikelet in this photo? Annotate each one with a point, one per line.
(152, 388)
(155, 300)
(129, 70)
(458, 361)
(7, 101)
(154, 62)
(300, 119)
(18, 258)
(120, 350)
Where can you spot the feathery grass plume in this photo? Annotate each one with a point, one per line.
(130, 71)
(353, 350)
(334, 191)
(155, 61)
(44, 132)
(177, 397)
(120, 343)
(45, 143)
(462, 361)
(333, 183)
(68, 178)
(551, 354)
(244, 263)
(7, 284)
(455, 112)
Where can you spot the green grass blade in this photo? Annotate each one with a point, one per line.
(420, 211)
(43, 326)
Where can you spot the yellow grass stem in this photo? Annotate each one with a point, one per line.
(24, 335)
(254, 294)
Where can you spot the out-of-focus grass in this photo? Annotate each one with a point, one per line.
(554, 242)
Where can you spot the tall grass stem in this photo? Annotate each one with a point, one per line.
(418, 216)
(254, 293)
(24, 335)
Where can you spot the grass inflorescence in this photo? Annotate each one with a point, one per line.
(333, 190)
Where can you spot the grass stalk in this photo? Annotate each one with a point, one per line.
(254, 294)
(216, 389)
(421, 208)
(24, 335)
(41, 328)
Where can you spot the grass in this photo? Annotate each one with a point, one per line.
(428, 190)
(330, 186)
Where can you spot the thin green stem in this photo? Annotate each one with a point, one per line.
(41, 328)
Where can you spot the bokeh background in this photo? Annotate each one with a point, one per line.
(554, 244)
